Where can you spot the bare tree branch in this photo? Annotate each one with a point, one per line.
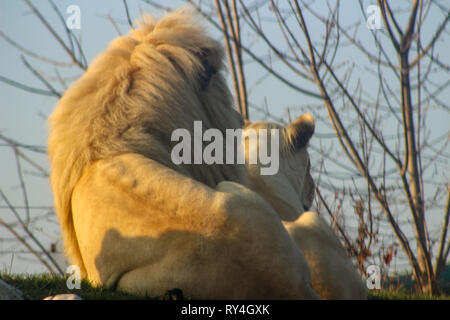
(56, 36)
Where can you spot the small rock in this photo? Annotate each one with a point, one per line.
(64, 296)
(8, 292)
(174, 294)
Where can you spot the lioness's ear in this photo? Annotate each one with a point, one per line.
(300, 130)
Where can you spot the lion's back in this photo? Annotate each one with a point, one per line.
(131, 98)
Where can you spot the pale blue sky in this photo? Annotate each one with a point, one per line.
(22, 114)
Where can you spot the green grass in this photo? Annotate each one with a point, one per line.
(401, 286)
(37, 287)
(401, 295)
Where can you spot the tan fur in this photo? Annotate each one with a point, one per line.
(333, 275)
(129, 216)
(290, 193)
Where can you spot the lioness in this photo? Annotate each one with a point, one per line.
(290, 192)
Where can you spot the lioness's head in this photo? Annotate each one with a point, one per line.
(291, 190)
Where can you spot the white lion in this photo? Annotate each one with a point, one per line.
(133, 219)
(290, 192)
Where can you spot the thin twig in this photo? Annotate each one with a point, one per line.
(40, 77)
(56, 36)
(30, 234)
(27, 245)
(130, 23)
(25, 87)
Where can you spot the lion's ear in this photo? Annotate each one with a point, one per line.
(300, 131)
(211, 59)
